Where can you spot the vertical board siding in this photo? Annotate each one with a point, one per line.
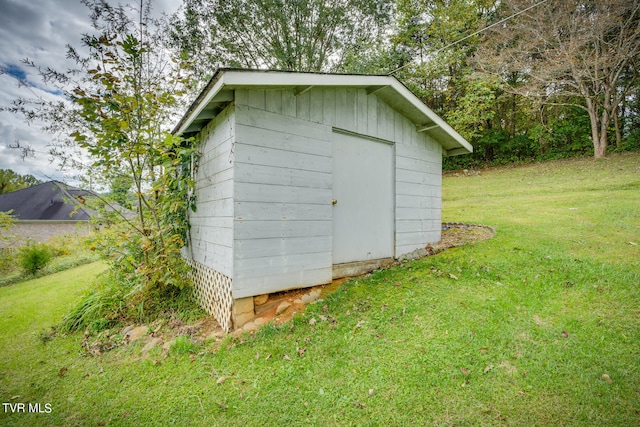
(282, 194)
(212, 223)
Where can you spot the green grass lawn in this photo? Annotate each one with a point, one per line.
(538, 326)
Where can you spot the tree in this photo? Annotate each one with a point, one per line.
(302, 35)
(570, 52)
(437, 42)
(122, 97)
(11, 181)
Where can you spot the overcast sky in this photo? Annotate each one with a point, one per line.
(39, 30)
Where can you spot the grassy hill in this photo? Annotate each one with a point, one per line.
(538, 326)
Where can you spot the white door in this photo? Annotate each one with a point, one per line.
(363, 210)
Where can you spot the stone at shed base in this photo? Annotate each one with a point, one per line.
(250, 326)
(137, 333)
(418, 253)
(283, 307)
(242, 311)
(260, 299)
(310, 297)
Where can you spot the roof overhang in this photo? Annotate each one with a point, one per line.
(220, 91)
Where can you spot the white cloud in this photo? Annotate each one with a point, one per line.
(39, 30)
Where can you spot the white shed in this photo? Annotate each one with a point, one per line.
(305, 177)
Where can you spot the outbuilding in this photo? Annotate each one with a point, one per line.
(306, 177)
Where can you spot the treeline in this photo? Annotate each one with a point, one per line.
(520, 79)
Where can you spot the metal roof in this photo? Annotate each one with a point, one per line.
(219, 93)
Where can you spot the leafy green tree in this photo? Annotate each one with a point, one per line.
(301, 35)
(122, 98)
(11, 181)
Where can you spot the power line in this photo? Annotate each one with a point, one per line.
(474, 34)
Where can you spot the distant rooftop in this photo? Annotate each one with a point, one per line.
(52, 200)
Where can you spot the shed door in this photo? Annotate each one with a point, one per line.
(363, 213)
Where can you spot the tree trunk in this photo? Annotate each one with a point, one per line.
(616, 122)
(600, 147)
(599, 125)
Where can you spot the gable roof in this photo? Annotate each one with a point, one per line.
(219, 93)
(51, 200)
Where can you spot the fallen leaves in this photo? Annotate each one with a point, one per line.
(301, 351)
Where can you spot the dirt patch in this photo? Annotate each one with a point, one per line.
(457, 234)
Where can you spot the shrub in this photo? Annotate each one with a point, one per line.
(101, 307)
(33, 258)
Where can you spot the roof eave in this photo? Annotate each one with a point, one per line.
(219, 92)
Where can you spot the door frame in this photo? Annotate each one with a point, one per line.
(349, 268)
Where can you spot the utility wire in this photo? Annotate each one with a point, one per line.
(474, 34)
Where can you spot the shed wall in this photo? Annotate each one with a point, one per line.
(282, 196)
(283, 178)
(212, 223)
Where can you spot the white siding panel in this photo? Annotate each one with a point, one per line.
(424, 190)
(270, 211)
(362, 109)
(273, 100)
(279, 123)
(257, 99)
(303, 105)
(275, 247)
(294, 142)
(269, 193)
(257, 155)
(283, 229)
(281, 176)
(282, 196)
(315, 107)
(350, 110)
(214, 191)
(329, 107)
(211, 224)
(372, 115)
(264, 266)
(213, 208)
(303, 277)
(341, 108)
(288, 103)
